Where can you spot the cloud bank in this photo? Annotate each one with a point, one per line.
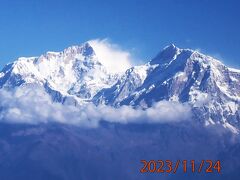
(35, 106)
(111, 55)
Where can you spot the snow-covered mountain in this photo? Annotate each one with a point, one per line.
(75, 72)
(182, 75)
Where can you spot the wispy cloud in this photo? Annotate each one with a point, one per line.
(111, 55)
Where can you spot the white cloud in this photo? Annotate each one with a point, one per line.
(111, 55)
(26, 105)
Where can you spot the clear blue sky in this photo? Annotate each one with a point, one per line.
(31, 27)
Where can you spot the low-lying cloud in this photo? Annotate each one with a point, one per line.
(34, 105)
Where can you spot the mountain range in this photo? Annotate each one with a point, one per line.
(76, 76)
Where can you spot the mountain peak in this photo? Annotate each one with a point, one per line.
(85, 49)
(166, 54)
(170, 46)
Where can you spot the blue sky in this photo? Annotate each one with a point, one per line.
(144, 27)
